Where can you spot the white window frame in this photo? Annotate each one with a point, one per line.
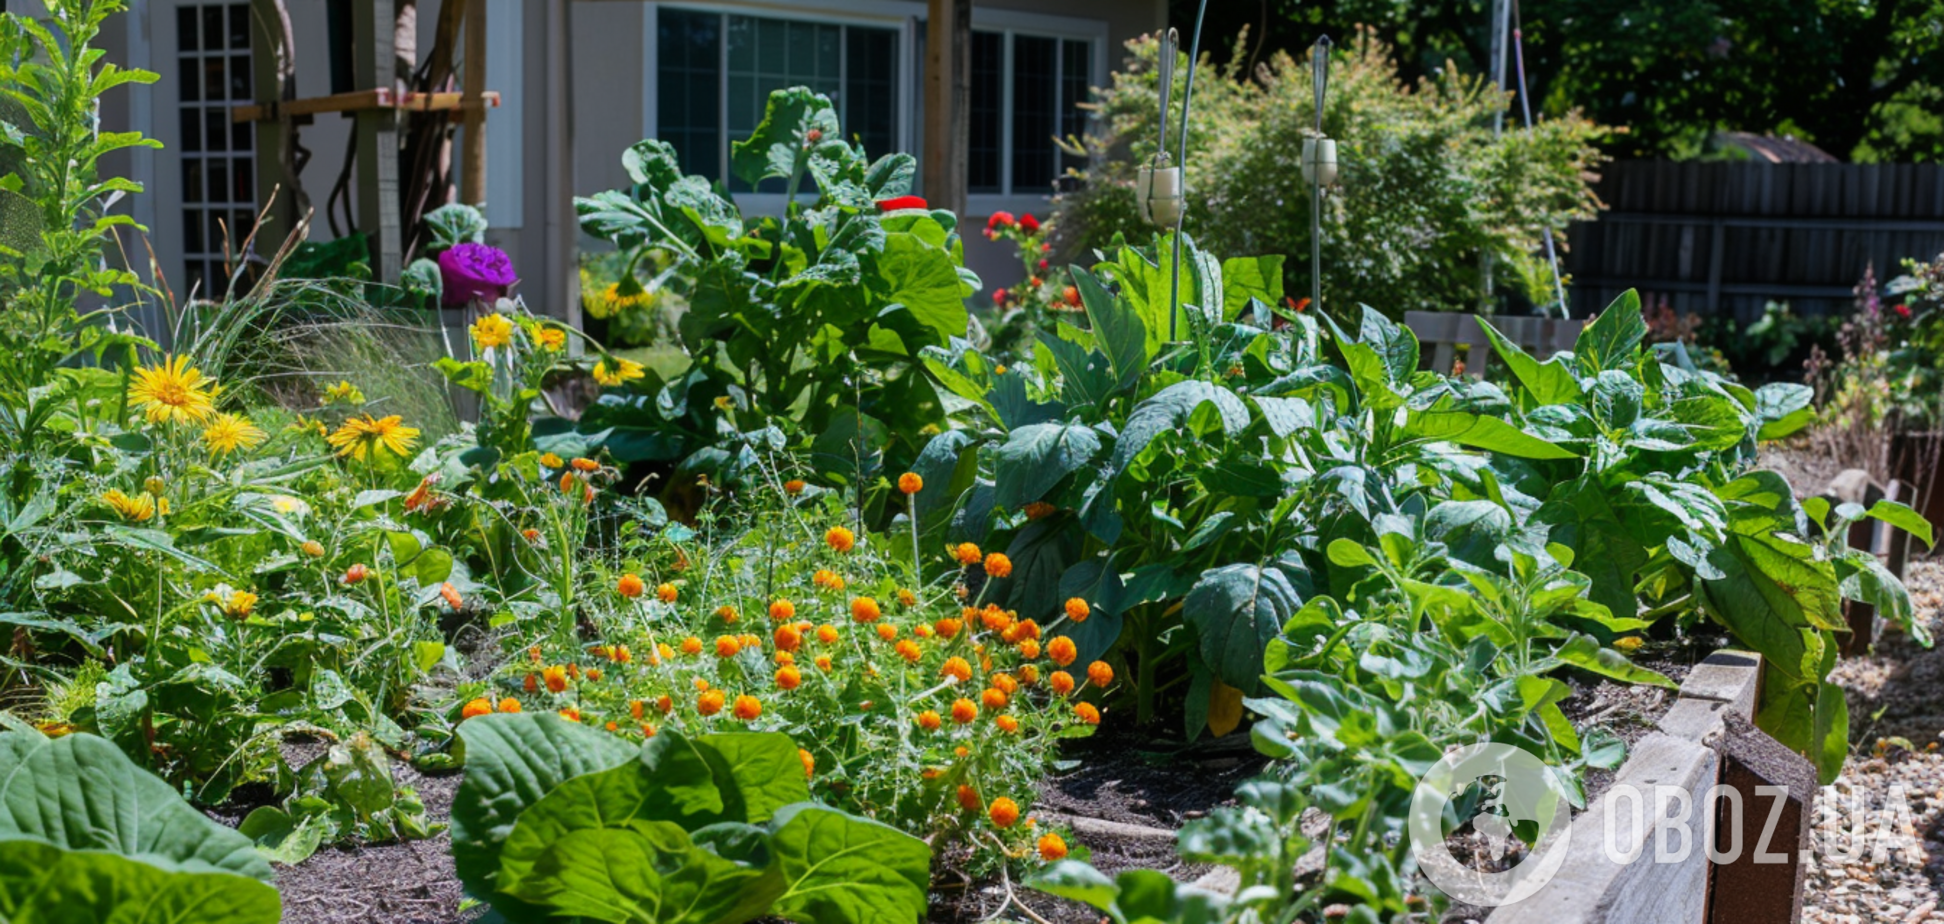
(877, 14)
(1011, 23)
(909, 19)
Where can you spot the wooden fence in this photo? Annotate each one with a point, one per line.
(1723, 238)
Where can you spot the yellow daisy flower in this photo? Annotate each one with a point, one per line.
(623, 370)
(492, 330)
(135, 509)
(360, 436)
(173, 393)
(343, 393)
(230, 432)
(551, 338)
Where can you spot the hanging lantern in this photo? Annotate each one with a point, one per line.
(1157, 185)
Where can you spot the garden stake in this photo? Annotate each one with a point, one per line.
(1525, 103)
(1319, 167)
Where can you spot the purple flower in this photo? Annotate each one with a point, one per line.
(475, 271)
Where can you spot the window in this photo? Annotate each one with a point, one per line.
(218, 166)
(715, 72)
(1026, 90)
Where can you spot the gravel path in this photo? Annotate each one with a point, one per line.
(1880, 838)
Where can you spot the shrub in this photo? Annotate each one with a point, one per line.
(1425, 188)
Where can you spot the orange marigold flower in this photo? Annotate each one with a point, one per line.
(1004, 812)
(998, 565)
(748, 707)
(556, 678)
(647, 729)
(1027, 628)
(356, 574)
(908, 650)
(585, 465)
(1029, 649)
(1062, 682)
(701, 684)
(948, 627)
(313, 548)
(530, 534)
(841, 539)
(1007, 724)
(481, 706)
(782, 610)
(566, 482)
(570, 714)
(809, 762)
(966, 553)
(727, 614)
(612, 726)
(827, 633)
(593, 673)
(727, 646)
(1039, 510)
(865, 609)
(785, 658)
(996, 620)
(964, 710)
(793, 487)
(666, 593)
(1028, 674)
(968, 798)
(620, 654)
(922, 631)
(630, 586)
(1087, 713)
(1077, 609)
(532, 683)
(788, 678)
(827, 579)
(573, 670)
(451, 595)
(509, 704)
(1052, 847)
(750, 640)
(910, 483)
(664, 704)
(788, 637)
(887, 631)
(533, 653)
(929, 720)
(1100, 673)
(709, 702)
(907, 598)
(636, 708)
(1063, 651)
(957, 669)
(663, 652)
(1005, 683)
(962, 751)
(993, 697)
(691, 646)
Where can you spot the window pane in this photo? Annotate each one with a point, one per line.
(689, 85)
(1036, 89)
(239, 25)
(1076, 71)
(191, 130)
(988, 108)
(243, 189)
(212, 27)
(242, 134)
(192, 185)
(239, 77)
(771, 54)
(186, 28)
(870, 101)
(217, 169)
(216, 128)
(189, 74)
(192, 231)
(212, 88)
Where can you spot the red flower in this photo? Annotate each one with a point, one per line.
(1029, 224)
(999, 297)
(1295, 305)
(1903, 311)
(999, 220)
(1042, 266)
(902, 202)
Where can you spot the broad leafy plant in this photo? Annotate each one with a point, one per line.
(87, 835)
(554, 819)
(803, 329)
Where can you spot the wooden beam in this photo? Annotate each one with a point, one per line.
(361, 100)
(472, 158)
(948, 79)
(273, 69)
(374, 30)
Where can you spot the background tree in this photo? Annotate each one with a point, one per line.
(1864, 80)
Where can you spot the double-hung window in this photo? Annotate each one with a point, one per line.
(1027, 90)
(715, 71)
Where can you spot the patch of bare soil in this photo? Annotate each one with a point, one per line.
(405, 883)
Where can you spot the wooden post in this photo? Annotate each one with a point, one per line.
(948, 79)
(1763, 883)
(273, 69)
(374, 31)
(472, 159)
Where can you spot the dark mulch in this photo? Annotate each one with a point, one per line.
(405, 883)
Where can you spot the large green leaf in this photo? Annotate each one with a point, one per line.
(1245, 278)
(1550, 382)
(512, 762)
(781, 143)
(648, 873)
(1480, 432)
(1584, 652)
(1034, 458)
(80, 792)
(1784, 409)
(44, 884)
(1612, 339)
(1235, 611)
(760, 773)
(841, 869)
(1169, 409)
(1117, 329)
(924, 279)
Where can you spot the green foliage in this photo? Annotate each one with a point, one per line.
(1425, 188)
(87, 835)
(717, 828)
(804, 330)
(345, 794)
